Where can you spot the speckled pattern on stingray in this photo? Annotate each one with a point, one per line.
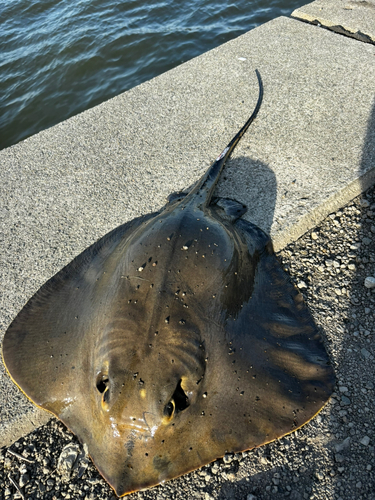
(331, 457)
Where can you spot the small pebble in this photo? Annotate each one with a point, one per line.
(67, 458)
(365, 441)
(227, 458)
(365, 353)
(345, 401)
(342, 446)
(355, 246)
(92, 481)
(370, 282)
(24, 479)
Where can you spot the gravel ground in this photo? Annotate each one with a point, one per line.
(332, 457)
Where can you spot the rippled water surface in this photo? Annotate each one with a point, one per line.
(58, 58)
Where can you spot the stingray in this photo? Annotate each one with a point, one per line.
(172, 340)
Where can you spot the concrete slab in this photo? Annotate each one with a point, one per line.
(311, 149)
(354, 18)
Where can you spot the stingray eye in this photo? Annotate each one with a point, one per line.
(179, 402)
(169, 409)
(106, 395)
(180, 398)
(102, 384)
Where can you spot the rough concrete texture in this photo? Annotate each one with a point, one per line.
(354, 18)
(311, 149)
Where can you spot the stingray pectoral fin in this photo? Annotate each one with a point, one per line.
(279, 355)
(44, 347)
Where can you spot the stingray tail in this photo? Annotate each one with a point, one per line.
(208, 182)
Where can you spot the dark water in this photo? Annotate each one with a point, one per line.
(58, 58)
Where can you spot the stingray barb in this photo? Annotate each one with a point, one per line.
(174, 339)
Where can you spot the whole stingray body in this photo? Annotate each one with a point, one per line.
(174, 339)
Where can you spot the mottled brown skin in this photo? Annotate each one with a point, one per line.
(172, 340)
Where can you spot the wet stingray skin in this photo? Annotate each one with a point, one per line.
(173, 339)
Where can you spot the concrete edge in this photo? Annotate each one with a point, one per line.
(334, 203)
(324, 23)
(22, 425)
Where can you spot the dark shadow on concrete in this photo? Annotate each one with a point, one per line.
(368, 155)
(253, 184)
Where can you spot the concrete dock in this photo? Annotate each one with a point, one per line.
(310, 150)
